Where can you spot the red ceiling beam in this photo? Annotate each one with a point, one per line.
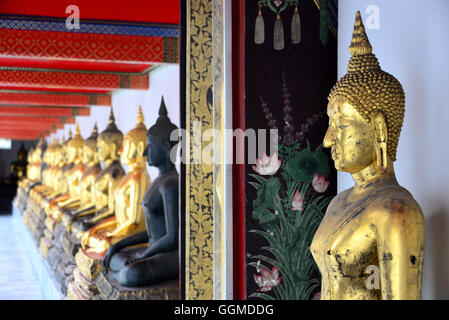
(166, 11)
(34, 122)
(33, 111)
(84, 46)
(53, 99)
(84, 81)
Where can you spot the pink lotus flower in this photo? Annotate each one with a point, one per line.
(297, 202)
(268, 279)
(319, 183)
(267, 165)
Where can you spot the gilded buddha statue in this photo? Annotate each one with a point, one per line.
(129, 217)
(25, 180)
(66, 166)
(86, 185)
(109, 142)
(158, 260)
(377, 224)
(72, 198)
(18, 169)
(41, 191)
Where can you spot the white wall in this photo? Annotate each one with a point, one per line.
(163, 81)
(412, 44)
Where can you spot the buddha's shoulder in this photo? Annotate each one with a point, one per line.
(397, 202)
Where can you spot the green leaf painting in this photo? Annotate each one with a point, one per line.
(289, 209)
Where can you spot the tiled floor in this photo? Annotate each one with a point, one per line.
(17, 279)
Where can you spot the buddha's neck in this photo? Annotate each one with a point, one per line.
(369, 178)
(166, 167)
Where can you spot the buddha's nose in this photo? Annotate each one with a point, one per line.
(329, 138)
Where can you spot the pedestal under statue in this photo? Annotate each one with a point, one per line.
(376, 228)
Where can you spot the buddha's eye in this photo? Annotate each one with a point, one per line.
(343, 126)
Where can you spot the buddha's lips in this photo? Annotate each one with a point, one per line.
(334, 154)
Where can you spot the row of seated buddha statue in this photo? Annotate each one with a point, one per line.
(105, 233)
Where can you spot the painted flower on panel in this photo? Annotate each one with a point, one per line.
(319, 183)
(306, 163)
(297, 201)
(267, 165)
(268, 279)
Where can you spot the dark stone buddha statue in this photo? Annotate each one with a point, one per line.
(158, 261)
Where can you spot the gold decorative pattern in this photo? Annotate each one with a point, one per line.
(199, 177)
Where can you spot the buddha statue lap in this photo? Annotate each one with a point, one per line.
(377, 224)
(157, 261)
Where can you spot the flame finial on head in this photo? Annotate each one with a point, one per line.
(77, 130)
(111, 116)
(360, 44)
(95, 129)
(163, 108)
(140, 117)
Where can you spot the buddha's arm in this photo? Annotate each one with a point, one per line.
(400, 240)
(110, 208)
(169, 241)
(133, 209)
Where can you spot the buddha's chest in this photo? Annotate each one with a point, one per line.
(345, 242)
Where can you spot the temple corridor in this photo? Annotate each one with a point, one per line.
(17, 278)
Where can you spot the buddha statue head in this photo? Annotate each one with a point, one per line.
(57, 155)
(90, 148)
(159, 145)
(366, 109)
(37, 154)
(134, 143)
(48, 153)
(110, 141)
(64, 146)
(22, 154)
(75, 147)
(30, 155)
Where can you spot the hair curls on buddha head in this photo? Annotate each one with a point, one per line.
(91, 142)
(112, 134)
(139, 133)
(76, 141)
(370, 89)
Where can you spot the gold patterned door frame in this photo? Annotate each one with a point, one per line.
(206, 268)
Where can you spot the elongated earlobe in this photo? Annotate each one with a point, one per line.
(381, 139)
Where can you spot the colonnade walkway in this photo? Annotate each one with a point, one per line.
(18, 281)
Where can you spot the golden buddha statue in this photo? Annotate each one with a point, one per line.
(129, 216)
(370, 244)
(87, 182)
(17, 169)
(66, 167)
(40, 192)
(109, 142)
(72, 198)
